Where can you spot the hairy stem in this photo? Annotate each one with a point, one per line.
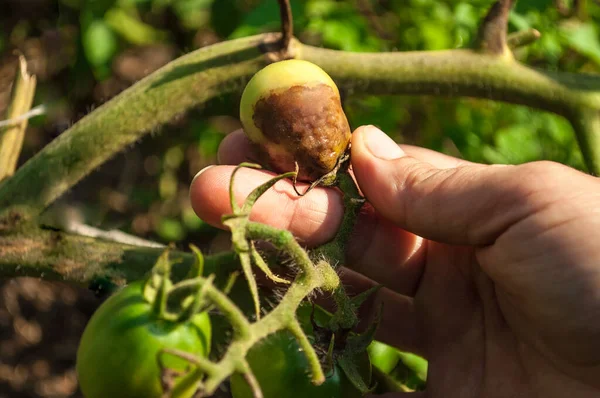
(281, 317)
(187, 82)
(194, 79)
(82, 260)
(281, 240)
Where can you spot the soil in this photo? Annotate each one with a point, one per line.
(40, 326)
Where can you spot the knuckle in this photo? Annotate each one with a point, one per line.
(414, 173)
(538, 179)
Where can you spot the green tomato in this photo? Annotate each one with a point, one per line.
(383, 356)
(117, 355)
(281, 370)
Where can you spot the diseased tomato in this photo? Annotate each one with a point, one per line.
(117, 355)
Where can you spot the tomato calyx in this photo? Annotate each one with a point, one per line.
(188, 298)
(345, 348)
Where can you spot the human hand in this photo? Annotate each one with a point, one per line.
(502, 292)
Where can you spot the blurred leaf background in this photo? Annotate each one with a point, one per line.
(86, 51)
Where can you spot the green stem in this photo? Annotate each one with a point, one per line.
(523, 38)
(335, 251)
(317, 375)
(159, 306)
(80, 260)
(281, 239)
(282, 317)
(465, 73)
(236, 317)
(586, 122)
(183, 84)
(195, 78)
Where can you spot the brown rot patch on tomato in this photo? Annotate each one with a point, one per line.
(303, 124)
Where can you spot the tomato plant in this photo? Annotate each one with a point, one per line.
(117, 355)
(281, 370)
(281, 367)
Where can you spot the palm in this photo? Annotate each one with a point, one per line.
(510, 310)
(471, 329)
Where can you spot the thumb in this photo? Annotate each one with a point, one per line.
(470, 204)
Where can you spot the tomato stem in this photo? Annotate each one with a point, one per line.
(317, 375)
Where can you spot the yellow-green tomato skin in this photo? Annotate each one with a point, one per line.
(117, 355)
(277, 77)
(291, 111)
(383, 356)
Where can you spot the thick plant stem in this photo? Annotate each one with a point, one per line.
(199, 76)
(195, 78)
(187, 82)
(81, 260)
(456, 73)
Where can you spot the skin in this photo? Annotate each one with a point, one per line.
(491, 272)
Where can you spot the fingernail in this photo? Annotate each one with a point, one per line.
(380, 144)
(201, 171)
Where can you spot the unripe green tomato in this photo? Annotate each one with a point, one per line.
(291, 111)
(117, 355)
(281, 370)
(383, 356)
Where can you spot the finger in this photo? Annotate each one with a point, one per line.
(313, 218)
(377, 248)
(385, 253)
(468, 204)
(437, 159)
(235, 148)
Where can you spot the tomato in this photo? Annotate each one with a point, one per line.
(282, 371)
(117, 355)
(383, 356)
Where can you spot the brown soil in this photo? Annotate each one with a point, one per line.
(40, 326)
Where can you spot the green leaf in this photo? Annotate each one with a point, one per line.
(194, 14)
(533, 5)
(584, 39)
(99, 42)
(130, 28)
(515, 144)
(170, 230)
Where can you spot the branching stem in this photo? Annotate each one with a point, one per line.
(192, 80)
(287, 24)
(523, 38)
(493, 30)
